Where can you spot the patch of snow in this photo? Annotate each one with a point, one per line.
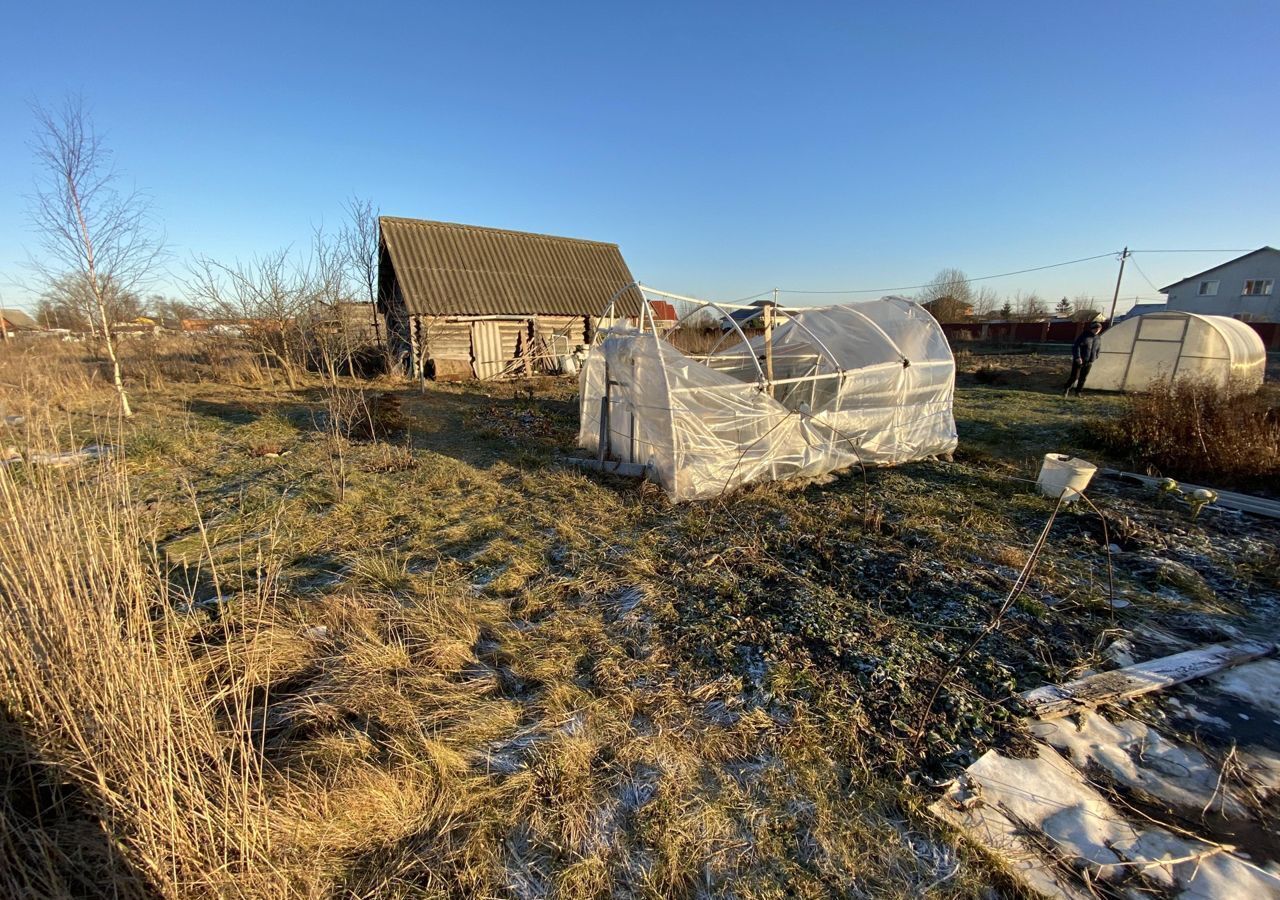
(1140, 757)
(1256, 683)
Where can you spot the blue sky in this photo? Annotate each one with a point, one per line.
(728, 148)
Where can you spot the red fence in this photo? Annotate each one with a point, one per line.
(1057, 332)
(1014, 332)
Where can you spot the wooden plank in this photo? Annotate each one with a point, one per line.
(1055, 700)
(446, 369)
(611, 467)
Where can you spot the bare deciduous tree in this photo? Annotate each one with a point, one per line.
(90, 230)
(1086, 309)
(359, 240)
(948, 296)
(335, 337)
(69, 301)
(168, 310)
(267, 301)
(1029, 305)
(985, 301)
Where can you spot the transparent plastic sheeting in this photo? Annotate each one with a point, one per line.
(1140, 350)
(868, 383)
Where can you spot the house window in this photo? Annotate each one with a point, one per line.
(1208, 289)
(1243, 317)
(1257, 287)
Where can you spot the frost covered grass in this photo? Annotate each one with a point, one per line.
(469, 670)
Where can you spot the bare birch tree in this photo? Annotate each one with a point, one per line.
(90, 229)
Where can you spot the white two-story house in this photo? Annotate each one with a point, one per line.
(1243, 288)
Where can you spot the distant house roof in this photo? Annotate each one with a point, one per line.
(1142, 309)
(663, 311)
(447, 269)
(18, 319)
(754, 311)
(1165, 290)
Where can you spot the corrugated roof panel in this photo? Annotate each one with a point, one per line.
(448, 269)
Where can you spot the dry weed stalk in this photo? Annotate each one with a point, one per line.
(97, 679)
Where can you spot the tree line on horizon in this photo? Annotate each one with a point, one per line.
(951, 297)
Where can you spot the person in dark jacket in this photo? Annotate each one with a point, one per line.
(1083, 352)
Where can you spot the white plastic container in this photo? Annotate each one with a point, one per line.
(1064, 476)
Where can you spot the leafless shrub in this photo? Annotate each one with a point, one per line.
(1198, 430)
(265, 302)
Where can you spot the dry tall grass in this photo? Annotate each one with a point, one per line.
(696, 341)
(98, 684)
(1200, 431)
(481, 702)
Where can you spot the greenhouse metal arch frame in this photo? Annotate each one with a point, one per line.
(816, 390)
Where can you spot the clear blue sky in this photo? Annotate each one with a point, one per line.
(728, 148)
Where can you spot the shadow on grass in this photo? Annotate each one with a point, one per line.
(507, 423)
(56, 846)
(231, 413)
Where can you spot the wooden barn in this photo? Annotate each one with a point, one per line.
(462, 301)
(13, 321)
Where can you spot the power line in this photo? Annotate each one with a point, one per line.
(912, 287)
(1239, 250)
(1144, 277)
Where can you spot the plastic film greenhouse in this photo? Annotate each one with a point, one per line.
(1137, 352)
(720, 395)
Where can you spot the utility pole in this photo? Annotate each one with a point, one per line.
(1116, 296)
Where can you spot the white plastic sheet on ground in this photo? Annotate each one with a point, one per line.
(868, 383)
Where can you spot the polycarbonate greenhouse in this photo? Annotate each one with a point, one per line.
(1141, 350)
(805, 392)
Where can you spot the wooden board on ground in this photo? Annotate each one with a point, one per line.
(447, 369)
(1055, 700)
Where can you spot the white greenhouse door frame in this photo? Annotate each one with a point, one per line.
(1161, 354)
